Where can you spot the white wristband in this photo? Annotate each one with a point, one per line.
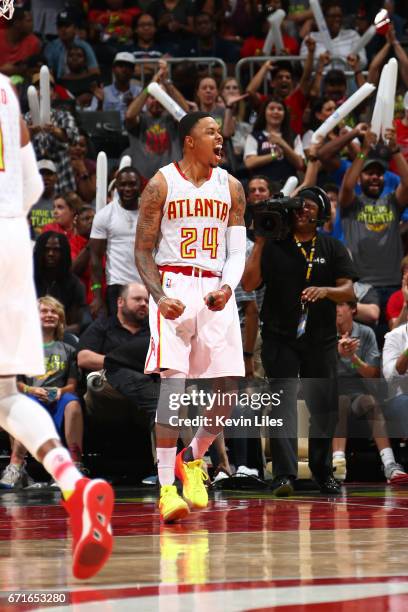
(163, 297)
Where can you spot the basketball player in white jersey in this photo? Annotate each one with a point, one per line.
(192, 212)
(88, 502)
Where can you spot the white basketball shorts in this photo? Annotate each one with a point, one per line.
(200, 343)
(21, 344)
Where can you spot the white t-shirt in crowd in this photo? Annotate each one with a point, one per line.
(395, 342)
(117, 226)
(342, 45)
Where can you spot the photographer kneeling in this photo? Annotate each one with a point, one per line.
(305, 274)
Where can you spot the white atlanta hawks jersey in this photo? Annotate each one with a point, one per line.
(194, 221)
(11, 174)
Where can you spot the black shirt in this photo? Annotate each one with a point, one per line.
(284, 274)
(122, 348)
(69, 291)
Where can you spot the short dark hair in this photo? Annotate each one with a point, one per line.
(351, 303)
(85, 208)
(124, 291)
(127, 169)
(201, 14)
(262, 177)
(188, 122)
(330, 187)
(282, 65)
(136, 19)
(18, 15)
(335, 77)
(328, 4)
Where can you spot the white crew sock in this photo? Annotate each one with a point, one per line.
(166, 460)
(387, 456)
(59, 464)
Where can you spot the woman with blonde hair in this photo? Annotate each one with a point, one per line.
(55, 391)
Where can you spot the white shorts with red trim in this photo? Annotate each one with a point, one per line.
(21, 343)
(200, 343)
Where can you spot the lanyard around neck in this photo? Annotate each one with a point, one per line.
(309, 258)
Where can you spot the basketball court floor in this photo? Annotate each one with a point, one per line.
(246, 551)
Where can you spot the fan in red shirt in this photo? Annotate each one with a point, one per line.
(115, 18)
(401, 132)
(18, 43)
(253, 45)
(65, 209)
(281, 84)
(396, 311)
(80, 252)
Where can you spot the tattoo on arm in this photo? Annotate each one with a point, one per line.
(148, 227)
(238, 203)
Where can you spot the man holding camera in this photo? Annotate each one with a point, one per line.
(305, 274)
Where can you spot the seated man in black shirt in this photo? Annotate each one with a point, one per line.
(119, 345)
(305, 275)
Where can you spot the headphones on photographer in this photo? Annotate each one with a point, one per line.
(320, 197)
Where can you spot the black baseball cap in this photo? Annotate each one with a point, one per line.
(65, 18)
(375, 160)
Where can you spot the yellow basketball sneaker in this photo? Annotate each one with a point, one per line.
(193, 476)
(172, 507)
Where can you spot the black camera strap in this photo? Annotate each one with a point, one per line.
(309, 261)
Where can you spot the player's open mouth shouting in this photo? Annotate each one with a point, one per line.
(218, 152)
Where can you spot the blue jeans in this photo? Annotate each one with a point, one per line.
(396, 415)
(56, 409)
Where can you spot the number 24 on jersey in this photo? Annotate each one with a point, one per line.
(189, 238)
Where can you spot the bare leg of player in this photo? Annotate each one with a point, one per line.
(222, 389)
(88, 502)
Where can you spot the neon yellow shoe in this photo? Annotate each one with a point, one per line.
(172, 507)
(193, 476)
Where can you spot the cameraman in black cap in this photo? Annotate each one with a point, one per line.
(305, 274)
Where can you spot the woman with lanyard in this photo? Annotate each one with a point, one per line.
(304, 275)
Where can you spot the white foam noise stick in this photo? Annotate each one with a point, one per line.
(275, 21)
(378, 112)
(125, 162)
(269, 41)
(345, 109)
(34, 105)
(45, 96)
(101, 180)
(167, 101)
(290, 186)
(364, 40)
(322, 25)
(274, 36)
(389, 96)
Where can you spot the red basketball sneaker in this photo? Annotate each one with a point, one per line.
(90, 508)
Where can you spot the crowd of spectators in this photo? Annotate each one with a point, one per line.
(101, 55)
